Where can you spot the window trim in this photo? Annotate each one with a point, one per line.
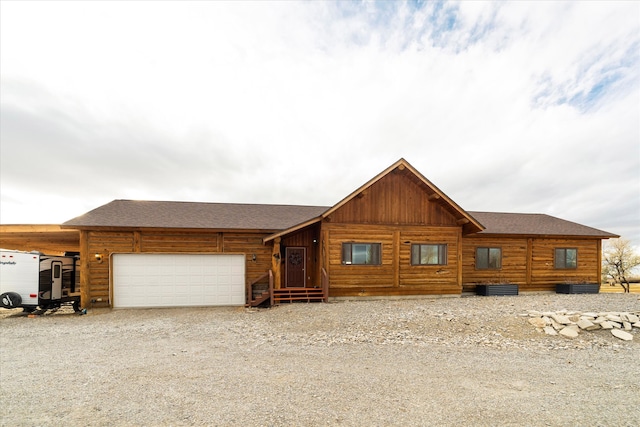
(564, 259)
(347, 253)
(489, 249)
(442, 254)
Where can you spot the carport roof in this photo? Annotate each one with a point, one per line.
(47, 238)
(192, 215)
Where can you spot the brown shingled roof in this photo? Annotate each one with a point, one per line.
(273, 218)
(534, 224)
(152, 214)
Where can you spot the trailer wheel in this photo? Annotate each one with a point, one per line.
(10, 300)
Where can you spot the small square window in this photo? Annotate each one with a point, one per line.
(488, 258)
(566, 258)
(361, 253)
(428, 254)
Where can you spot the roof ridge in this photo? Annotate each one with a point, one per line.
(509, 213)
(219, 203)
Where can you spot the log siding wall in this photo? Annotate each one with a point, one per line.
(514, 261)
(529, 262)
(395, 211)
(95, 275)
(395, 275)
(526, 261)
(545, 275)
(98, 280)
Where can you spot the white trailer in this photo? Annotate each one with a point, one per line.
(33, 281)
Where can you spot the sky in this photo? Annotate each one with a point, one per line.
(530, 107)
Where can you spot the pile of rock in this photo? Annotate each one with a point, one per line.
(571, 323)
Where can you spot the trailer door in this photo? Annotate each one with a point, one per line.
(56, 280)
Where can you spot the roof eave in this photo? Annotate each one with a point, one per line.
(159, 228)
(292, 229)
(545, 236)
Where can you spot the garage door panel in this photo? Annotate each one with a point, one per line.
(177, 280)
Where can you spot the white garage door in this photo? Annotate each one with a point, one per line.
(177, 280)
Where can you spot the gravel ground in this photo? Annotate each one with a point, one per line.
(448, 361)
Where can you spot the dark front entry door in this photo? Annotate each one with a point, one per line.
(296, 263)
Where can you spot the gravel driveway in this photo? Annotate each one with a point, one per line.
(448, 361)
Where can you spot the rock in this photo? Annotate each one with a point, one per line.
(633, 318)
(563, 320)
(574, 327)
(569, 332)
(538, 322)
(587, 325)
(625, 336)
(570, 323)
(606, 325)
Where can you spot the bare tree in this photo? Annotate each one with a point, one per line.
(618, 259)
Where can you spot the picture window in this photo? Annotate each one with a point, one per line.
(428, 254)
(361, 253)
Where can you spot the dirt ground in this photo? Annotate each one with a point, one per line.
(449, 361)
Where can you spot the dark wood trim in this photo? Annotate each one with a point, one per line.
(396, 259)
(529, 261)
(85, 277)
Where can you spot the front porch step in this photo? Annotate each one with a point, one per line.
(297, 294)
(258, 299)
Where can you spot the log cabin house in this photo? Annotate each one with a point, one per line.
(398, 235)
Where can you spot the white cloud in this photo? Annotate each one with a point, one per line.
(519, 106)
